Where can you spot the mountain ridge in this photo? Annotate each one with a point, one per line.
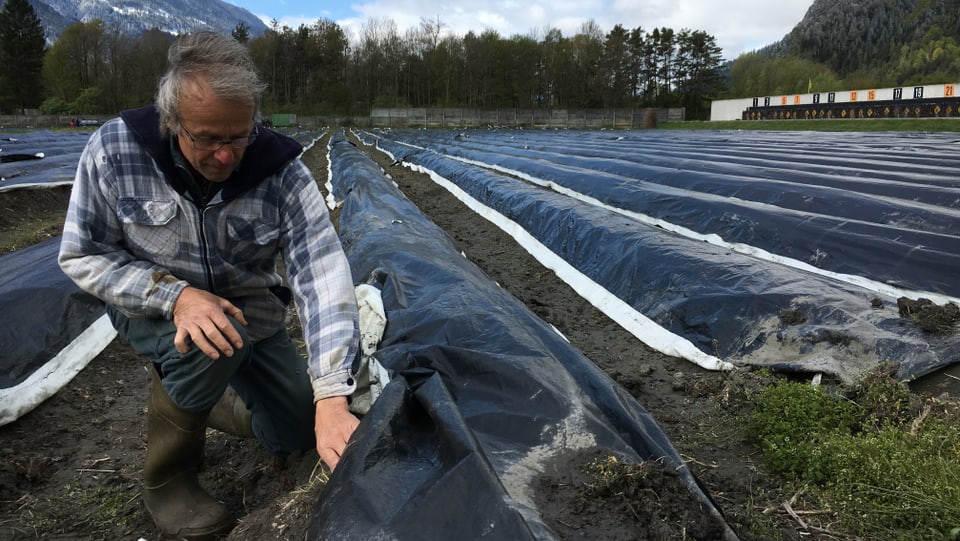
(861, 35)
(133, 17)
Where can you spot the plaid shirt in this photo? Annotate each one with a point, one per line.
(137, 233)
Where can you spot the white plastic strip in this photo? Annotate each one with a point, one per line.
(41, 185)
(57, 372)
(645, 329)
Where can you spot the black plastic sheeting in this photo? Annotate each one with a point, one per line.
(47, 157)
(482, 393)
(43, 311)
(46, 333)
(882, 206)
(53, 157)
(728, 304)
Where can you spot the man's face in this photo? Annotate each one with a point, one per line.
(209, 120)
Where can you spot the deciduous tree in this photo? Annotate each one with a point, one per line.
(76, 63)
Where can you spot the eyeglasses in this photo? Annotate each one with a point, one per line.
(210, 143)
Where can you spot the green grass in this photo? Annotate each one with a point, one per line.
(34, 231)
(831, 125)
(884, 463)
(101, 509)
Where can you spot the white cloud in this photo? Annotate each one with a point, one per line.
(738, 25)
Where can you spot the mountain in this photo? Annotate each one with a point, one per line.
(878, 35)
(132, 17)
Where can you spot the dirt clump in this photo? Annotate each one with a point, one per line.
(929, 316)
(589, 491)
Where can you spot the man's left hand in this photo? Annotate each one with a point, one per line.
(333, 426)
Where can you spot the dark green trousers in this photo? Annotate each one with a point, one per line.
(269, 375)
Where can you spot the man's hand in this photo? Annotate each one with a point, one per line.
(333, 426)
(201, 317)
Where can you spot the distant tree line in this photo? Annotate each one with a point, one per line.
(316, 70)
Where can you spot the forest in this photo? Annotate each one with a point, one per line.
(319, 70)
(856, 44)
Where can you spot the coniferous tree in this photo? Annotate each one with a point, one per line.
(241, 33)
(617, 65)
(698, 74)
(22, 46)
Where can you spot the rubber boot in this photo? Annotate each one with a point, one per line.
(231, 415)
(180, 507)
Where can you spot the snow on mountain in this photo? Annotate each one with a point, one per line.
(132, 17)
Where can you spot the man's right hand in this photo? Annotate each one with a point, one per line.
(201, 317)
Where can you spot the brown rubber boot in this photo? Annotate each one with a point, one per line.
(180, 507)
(231, 415)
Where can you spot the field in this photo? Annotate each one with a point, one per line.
(71, 467)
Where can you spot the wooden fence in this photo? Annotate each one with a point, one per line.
(524, 118)
(418, 117)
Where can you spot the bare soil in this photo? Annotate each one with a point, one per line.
(70, 469)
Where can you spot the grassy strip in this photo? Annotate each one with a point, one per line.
(31, 233)
(885, 463)
(831, 125)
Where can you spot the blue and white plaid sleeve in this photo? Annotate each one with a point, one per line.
(319, 275)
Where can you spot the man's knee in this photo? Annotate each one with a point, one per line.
(193, 380)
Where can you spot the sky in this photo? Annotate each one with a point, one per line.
(739, 26)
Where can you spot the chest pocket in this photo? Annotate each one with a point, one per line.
(151, 226)
(252, 238)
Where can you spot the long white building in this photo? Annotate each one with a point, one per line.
(915, 101)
